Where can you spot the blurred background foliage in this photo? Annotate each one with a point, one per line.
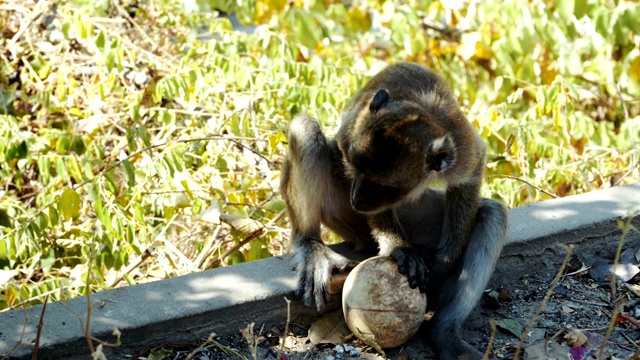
(148, 134)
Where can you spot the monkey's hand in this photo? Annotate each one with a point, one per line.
(412, 265)
(316, 263)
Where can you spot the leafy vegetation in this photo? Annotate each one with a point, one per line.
(148, 135)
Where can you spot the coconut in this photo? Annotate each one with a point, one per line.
(379, 306)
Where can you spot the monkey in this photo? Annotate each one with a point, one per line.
(376, 183)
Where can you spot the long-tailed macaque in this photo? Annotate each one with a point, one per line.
(372, 184)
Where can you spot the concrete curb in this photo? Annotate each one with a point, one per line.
(190, 307)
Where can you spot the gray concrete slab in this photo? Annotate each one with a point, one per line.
(190, 307)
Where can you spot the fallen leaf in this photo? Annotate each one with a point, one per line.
(567, 309)
(329, 329)
(510, 325)
(544, 349)
(575, 338)
(630, 256)
(601, 271)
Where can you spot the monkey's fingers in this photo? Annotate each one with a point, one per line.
(413, 266)
(423, 278)
(305, 288)
(321, 275)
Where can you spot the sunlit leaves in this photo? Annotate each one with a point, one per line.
(69, 204)
(117, 140)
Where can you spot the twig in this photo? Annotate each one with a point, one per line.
(632, 289)
(36, 345)
(125, 15)
(526, 182)
(544, 301)
(627, 173)
(24, 329)
(625, 228)
(202, 346)
(87, 329)
(207, 248)
(29, 300)
(134, 264)
(235, 248)
(286, 329)
(494, 329)
(635, 344)
(37, 11)
(612, 325)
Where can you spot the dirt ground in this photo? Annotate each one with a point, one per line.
(579, 302)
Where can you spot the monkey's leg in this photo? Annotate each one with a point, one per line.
(461, 290)
(306, 180)
(461, 203)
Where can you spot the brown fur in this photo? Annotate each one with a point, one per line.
(372, 185)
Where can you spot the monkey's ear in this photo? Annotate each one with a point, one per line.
(380, 99)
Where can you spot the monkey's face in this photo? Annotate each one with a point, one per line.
(395, 153)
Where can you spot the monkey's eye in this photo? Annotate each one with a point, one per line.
(439, 161)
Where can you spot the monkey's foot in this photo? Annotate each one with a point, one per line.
(315, 269)
(447, 342)
(457, 350)
(412, 265)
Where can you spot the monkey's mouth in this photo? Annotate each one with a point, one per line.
(366, 208)
(370, 197)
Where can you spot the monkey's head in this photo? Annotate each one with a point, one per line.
(396, 150)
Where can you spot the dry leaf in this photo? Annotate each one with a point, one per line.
(575, 338)
(546, 349)
(329, 329)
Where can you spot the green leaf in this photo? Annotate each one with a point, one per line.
(565, 8)
(18, 151)
(308, 31)
(631, 18)
(4, 251)
(62, 144)
(130, 172)
(69, 204)
(77, 145)
(61, 169)
(101, 40)
(54, 217)
(5, 219)
(510, 325)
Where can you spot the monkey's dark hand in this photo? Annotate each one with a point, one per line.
(316, 263)
(412, 265)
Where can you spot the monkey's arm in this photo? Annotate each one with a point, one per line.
(392, 240)
(461, 206)
(306, 180)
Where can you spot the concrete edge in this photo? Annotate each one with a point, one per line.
(190, 307)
